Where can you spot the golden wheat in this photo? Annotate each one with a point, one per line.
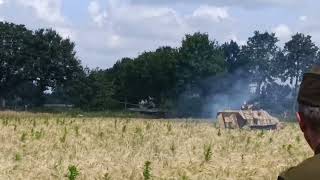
(43, 146)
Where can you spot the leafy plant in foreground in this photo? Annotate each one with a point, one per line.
(147, 170)
(17, 157)
(107, 176)
(76, 129)
(169, 127)
(207, 152)
(173, 147)
(64, 137)
(73, 172)
(124, 128)
(23, 137)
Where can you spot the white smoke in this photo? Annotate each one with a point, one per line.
(233, 91)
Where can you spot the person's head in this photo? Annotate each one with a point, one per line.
(309, 121)
(309, 107)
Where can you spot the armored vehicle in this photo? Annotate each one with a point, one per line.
(148, 107)
(252, 119)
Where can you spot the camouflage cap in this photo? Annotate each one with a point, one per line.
(309, 93)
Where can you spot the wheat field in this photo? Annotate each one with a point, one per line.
(45, 146)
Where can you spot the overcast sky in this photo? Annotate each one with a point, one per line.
(107, 30)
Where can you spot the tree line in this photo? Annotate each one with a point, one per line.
(38, 67)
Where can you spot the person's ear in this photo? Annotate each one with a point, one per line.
(301, 121)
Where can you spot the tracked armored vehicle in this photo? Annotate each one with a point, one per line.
(148, 107)
(248, 118)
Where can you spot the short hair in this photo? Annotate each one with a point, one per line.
(311, 115)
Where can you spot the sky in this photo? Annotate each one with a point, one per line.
(107, 30)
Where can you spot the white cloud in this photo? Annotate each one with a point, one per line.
(262, 3)
(119, 28)
(252, 4)
(49, 14)
(129, 29)
(283, 32)
(303, 18)
(66, 33)
(233, 37)
(143, 21)
(139, 21)
(47, 10)
(94, 7)
(114, 41)
(213, 13)
(97, 14)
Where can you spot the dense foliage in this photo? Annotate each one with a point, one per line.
(196, 79)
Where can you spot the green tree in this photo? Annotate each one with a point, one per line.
(94, 91)
(199, 58)
(157, 72)
(54, 61)
(37, 61)
(14, 58)
(125, 75)
(300, 54)
(102, 90)
(151, 74)
(261, 53)
(232, 52)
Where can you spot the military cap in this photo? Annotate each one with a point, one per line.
(309, 93)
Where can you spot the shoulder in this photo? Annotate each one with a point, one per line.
(308, 169)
